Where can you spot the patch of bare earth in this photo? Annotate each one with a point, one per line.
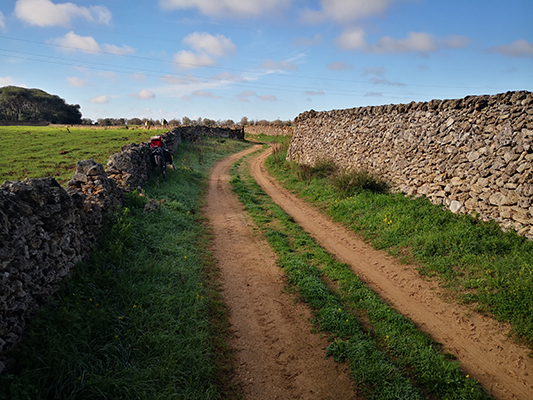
(481, 344)
(276, 355)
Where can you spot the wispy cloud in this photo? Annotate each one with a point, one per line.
(519, 48)
(247, 94)
(204, 94)
(143, 95)
(2, 21)
(384, 81)
(6, 81)
(76, 82)
(354, 39)
(378, 71)
(277, 66)
(103, 99)
(315, 93)
(44, 13)
(344, 11)
(229, 8)
(73, 42)
(340, 66)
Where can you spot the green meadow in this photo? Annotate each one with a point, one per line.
(41, 151)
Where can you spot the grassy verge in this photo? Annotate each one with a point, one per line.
(40, 151)
(141, 319)
(482, 266)
(388, 357)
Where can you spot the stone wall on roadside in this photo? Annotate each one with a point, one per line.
(473, 155)
(46, 229)
(269, 130)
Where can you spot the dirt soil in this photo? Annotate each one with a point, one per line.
(278, 357)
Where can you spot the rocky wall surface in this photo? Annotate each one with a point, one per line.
(473, 155)
(270, 130)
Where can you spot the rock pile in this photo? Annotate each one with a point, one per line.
(474, 155)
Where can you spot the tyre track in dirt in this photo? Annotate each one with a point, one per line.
(481, 344)
(276, 355)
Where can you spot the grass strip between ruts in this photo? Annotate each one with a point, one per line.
(387, 355)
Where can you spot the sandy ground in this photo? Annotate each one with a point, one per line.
(278, 357)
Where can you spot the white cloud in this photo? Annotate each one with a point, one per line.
(352, 39)
(45, 13)
(6, 81)
(228, 8)
(519, 48)
(72, 42)
(103, 99)
(272, 65)
(339, 66)
(120, 51)
(76, 82)
(143, 95)
(187, 59)
(344, 11)
(207, 47)
(217, 46)
(2, 21)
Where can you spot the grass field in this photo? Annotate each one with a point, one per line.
(41, 151)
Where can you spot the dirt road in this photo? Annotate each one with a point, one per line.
(277, 357)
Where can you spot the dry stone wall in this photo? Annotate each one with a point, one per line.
(473, 155)
(269, 130)
(45, 229)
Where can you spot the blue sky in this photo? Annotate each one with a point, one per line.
(263, 59)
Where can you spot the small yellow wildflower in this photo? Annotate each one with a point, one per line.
(120, 317)
(468, 376)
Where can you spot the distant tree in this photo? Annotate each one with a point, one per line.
(119, 121)
(86, 121)
(134, 121)
(244, 121)
(209, 122)
(228, 122)
(105, 121)
(35, 105)
(174, 122)
(186, 121)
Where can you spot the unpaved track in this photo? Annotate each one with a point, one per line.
(486, 353)
(276, 356)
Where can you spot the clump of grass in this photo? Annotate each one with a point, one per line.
(349, 182)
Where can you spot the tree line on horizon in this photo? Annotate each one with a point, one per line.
(22, 105)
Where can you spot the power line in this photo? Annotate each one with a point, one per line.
(173, 62)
